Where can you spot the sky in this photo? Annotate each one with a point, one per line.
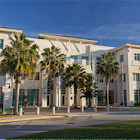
(111, 23)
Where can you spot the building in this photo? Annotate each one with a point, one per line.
(77, 50)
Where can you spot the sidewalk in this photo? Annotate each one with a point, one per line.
(60, 115)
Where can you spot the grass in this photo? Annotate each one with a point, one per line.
(116, 130)
(8, 112)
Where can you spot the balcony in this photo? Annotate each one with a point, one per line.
(79, 61)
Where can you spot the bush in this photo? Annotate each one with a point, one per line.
(137, 104)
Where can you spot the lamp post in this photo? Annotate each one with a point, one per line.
(92, 80)
(123, 87)
(3, 91)
(58, 83)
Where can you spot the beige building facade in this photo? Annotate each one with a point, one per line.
(77, 50)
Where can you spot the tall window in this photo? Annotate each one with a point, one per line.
(137, 95)
(99, 78)
(111, 97)
(100, 96)
(121, 58)
(21, 94)
(33, 96)
(124, 78)
(137, 56)
(37, 76)
(136, 76)
(125, 97)
(1, 43)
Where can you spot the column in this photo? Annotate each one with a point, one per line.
(9, 90)
(45, 90)
(68, 52)
(80, 53)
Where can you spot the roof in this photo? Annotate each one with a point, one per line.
(127, 45)
(65, 37)
(6, 29)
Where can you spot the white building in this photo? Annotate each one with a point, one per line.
(77, 50)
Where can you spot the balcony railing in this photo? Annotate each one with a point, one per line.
(79, 61)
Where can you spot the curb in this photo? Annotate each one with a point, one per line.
(26, 119)
(47, 117)
(50, 117)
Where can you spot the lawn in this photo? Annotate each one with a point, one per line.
(116, 130)
(8, 112)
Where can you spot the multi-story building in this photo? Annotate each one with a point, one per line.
(77, 50)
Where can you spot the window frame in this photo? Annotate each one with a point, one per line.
(121, 58)
(136, 56)
(1, 43)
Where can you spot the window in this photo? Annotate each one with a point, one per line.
(137, 95)
(21, 94)
(86, 59)
(137, 56)
(37, 76)
(36, 52)
(33, 96)
(111, 96)
(63, 56)
(125, 97)
(100, 96)
(1, 43)
(121, 58)
(97, 57)
(124, 78)
(136, 76)
(111, 80)
(74, 57)
(99, 78)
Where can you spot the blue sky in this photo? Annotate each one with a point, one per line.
(111, 23)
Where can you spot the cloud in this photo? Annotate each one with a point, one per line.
(118, 31)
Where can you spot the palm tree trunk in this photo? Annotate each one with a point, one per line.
(75, 93)
(89, 102)
(107, 96)
(16, 98)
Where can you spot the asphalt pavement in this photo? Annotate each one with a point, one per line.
(28, 124)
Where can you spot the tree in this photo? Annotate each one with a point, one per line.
(107, 67)
(19, 60)
(51, 59)
(74, 75)
(86, 89)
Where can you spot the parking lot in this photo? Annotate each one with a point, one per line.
(14, 129)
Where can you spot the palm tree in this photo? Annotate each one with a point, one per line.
(51, 59)
(86, 89)
(19, 60)
(107, 67)
(74, 75)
